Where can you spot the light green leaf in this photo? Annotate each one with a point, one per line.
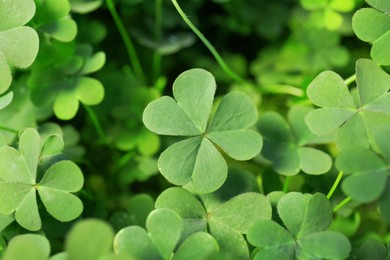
(356, 159)
(15, 13)
(30, 148)
(353, 133)
(139, 208)
(66, 105)
(380, 51)
(89, 239)
(323, 121)
(332, 19)
(64, 30)
(12, 195)
(236, 111)
(269, 234)
(242, 211)
(135, 242)
(384, 202)
(383, 6)
(365, 186)
(5, 220)
(372, 81)
(291, 209)
(194, 91)
(13, 168)
(6, 74)
(325, 245)
(89, 91)
(328, 90)
(64, 175)
(60, 204)
(198, 246)
(54, 144)
(160, 223)
(313, 161)
(93, 63)
(238, 144)
(27, 246)
(342, 5)
(369, 24)
(27, 214)
(85, 6)
(230, 240)
(6, 99)
(177, 123)
(285, 252)
(313, 4)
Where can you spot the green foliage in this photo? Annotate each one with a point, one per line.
(248, 169)
(21, 179)
(19, 44)
(306, 218)
(202, 165)
(286, 144)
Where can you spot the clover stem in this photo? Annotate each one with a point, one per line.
(350, 80)
(7, 129)
(96, 123)
(286, 184)
(335, 184)
(156, 63)
(213, 51)
(126, 40)
(259, 180)
(342, 204)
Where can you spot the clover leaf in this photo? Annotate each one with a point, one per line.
(19, 184)
(154, 243)
(27, 246)
(225, 222)
(352, 118)
(304, 236)
(373, 25)
(19, 44)
(285, 143)
(66, 83)
(85, 6)
(196, 161)
(6, 99)
(53, 18)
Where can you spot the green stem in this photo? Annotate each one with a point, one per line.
(342, 204)
(213, 51)
(259, 180)
(127, 41)
(283, 89)
(156, 64)
(7, 129)
(96, 124)
(286, 184)
(335, 184)
(350, 80)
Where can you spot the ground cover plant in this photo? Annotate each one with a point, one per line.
(221, 129)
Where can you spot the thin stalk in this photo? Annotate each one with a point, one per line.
(95, 121)
(156, 63)
(213, 51)
(127, 41)
(283, 89)
(342, 204)
(7, 129)
(335, 184)
(286, 184)
(350, 80)
(259, 180)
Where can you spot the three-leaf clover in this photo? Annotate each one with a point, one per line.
(164, 230)
(304, 236)
(226, 222)
(352, 115)
(373, 25)
(66, 83)
(285, 143)
(19, 44)
(19, 171)
(196, 161)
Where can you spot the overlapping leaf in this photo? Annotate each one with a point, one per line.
(66, 83)
(284, 143)
(19, 183)
(353, 119)
(373, 25)
(196, 161)
(306, 218)
(225, 222)
(53, 18)
(19, 44)
(27, 246)
(164, 229)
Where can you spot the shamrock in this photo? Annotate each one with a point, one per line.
(18, 181)
(196, 161)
